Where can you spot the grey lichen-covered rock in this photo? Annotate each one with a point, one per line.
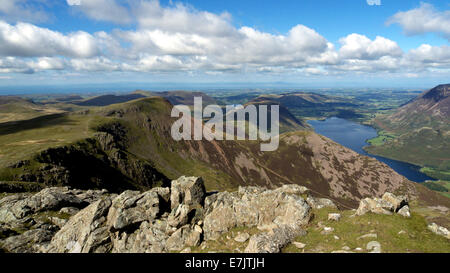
(404, 211)
(272, 241)
(442, 231)
(293, 189)
(242, 237)
(396, 201)
(69, 210)
(131, 208)
(179, 216)
(251, 207)
(373, 247)
(28, 242)
(21, 205)
(318, 203)
(375, 205)
(184, 236)
(85, 232)
(388, 204)
(187, 190)
(149, 238)
(334, 216)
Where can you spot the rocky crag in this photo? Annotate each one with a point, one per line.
(179, 218)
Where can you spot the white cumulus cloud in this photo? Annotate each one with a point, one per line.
(423, 19)
(28, 40)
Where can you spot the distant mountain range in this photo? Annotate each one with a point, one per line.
(128, 146)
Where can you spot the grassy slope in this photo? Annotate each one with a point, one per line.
(416, 239)
(14, 109)
(387, 227)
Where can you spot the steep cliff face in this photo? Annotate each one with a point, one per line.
(100, 162)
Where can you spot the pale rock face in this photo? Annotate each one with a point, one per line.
(293, 189)
(388, 204)
(374, 247)
(69, 210)
(253, 207)
(299, 245)
(85, 232)
(396, 201)
(404, 211)
(272, 241)
(149, 238)
(242, 237)
(28, 242)
(131, 208)
(19, 206)
(369, 235)
(327, 230)
(439, 230)
(318, 203)
(187, 190)
(184, 236)
(334, 216)
(179, 216)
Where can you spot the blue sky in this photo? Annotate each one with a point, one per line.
(168, 44)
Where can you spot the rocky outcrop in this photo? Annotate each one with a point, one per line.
(39, 216)
(442, 231)
(274, 240)
(158, 220)
(255, 207)
(180, 218)
(388, 204)
(137, 222)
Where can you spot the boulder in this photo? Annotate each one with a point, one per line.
(250, 207)
(149, 238)
(293, 189)
(187, 190)
(131, 208)
(19, 206)
(369, 235)
(396, 201)
(242, 237)
(28, 242)
(442, 231)
(373, 247)
(299, 245)
(272, 241)
(182, 237)
(404, 211)
(318, 203)
(179, 216)
(69, 210)
(334, 216)
(388, 204)
(85, 232)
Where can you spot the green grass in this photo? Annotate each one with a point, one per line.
(441, 186)
(436, 173)
(382, 138)
(20, 141)
(416, 239)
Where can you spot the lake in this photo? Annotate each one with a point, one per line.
(354, 136)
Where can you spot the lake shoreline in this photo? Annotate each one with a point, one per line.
(355, 136)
